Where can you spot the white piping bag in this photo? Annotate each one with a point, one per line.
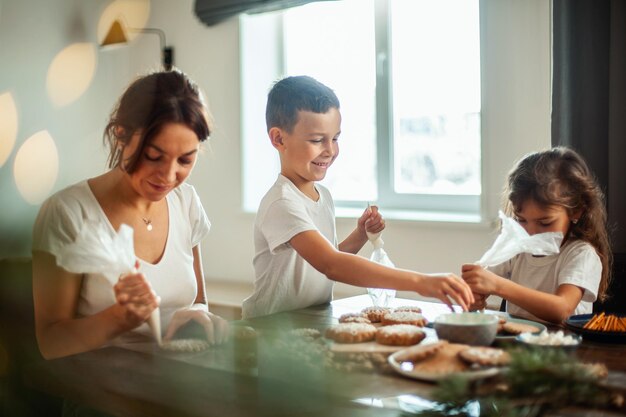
(513, 240)
(95, 251)
(381, 297)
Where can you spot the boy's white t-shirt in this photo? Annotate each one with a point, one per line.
(284, 280)
(62, 216)
(576, 264)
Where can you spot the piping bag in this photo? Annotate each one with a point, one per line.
(95, 251)
(381, 297)
(513, 240)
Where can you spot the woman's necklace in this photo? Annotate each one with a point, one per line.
(148, 223)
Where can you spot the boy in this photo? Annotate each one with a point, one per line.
(297, 256)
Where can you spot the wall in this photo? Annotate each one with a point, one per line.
(516, 105)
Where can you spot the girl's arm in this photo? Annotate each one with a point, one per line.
(56, 292)
(554, 308)
(370, 221)
(356, 270)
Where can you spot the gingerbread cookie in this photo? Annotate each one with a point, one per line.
(418, 353)
(354, 318)
(375, 314)
(404, 317)
(485, 356)
(308, 334)
(512, 327)
(414, 309)
(399, 335)
(351, 332)
(444, 362)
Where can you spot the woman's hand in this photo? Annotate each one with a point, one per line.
(479, 279)
(446, 287)
(216, 328)
(135, 297)
(371, 221)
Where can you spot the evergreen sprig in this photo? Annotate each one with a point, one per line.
(537, 381)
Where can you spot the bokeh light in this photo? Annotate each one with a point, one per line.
(36, 167)
(132, 13)
(8, 126)
(71, 73)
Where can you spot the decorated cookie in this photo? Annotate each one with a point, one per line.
(399, 335)
(351, 332)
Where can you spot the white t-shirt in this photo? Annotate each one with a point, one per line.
(284, 280)
(62, 216)
(576, 264)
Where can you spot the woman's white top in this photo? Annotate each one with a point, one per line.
(63, 215)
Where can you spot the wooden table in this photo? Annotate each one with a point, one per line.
(245, 378)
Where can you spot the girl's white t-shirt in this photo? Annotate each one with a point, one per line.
(284, 280)
(576, 264)
(62, 216)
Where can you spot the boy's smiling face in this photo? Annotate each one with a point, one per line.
(309, 150)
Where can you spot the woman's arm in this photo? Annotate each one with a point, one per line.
(355, 270)
(216, 328)
(59, 332)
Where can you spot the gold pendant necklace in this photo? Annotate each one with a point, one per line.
(148, 223)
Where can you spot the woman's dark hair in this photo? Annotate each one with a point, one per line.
(148, 104)
(560, 176)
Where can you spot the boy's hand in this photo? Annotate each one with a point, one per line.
(371, 221)
(447, 287)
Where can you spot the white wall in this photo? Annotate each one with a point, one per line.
(516, 118)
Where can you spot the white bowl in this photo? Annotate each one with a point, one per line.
(468, 328)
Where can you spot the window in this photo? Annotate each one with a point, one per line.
(407, 74)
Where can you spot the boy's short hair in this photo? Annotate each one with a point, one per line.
(293, 94)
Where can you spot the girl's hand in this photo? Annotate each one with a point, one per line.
(479, 279)
(480, 302)
(446, 287)
(371, 221)
(216, 328)
(135, 297)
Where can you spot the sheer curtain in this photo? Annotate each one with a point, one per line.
(589, 106)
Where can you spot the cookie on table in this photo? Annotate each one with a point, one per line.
(375, 314)
(404, 317)
(351, 332)
(354, 318)
(185, 345)
(485, 356)
(399, 335)
(512, 327)
(445, 361)
(421, 352)
(414, 309)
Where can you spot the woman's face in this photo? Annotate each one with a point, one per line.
(535, 218)
(166, 161)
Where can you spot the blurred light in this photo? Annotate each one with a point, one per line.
(71, 73)
(8, 126)
(36, 167)
(133, 13)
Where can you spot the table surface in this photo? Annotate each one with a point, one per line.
(246, 377)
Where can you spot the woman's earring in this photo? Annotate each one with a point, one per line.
(574, 221)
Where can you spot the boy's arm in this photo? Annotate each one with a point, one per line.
(370, 221)
(355, 270)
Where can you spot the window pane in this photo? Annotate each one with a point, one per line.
(334, 43)
(436, 96)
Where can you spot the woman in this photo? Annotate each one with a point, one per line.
(154, 137)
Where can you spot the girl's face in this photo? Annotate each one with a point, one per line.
(535, 218)
(166, 162)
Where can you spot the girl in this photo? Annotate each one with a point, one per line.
(551, 191)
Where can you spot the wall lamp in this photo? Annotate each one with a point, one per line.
(117, 36)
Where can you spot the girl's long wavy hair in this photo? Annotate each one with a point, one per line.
(560, 176)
